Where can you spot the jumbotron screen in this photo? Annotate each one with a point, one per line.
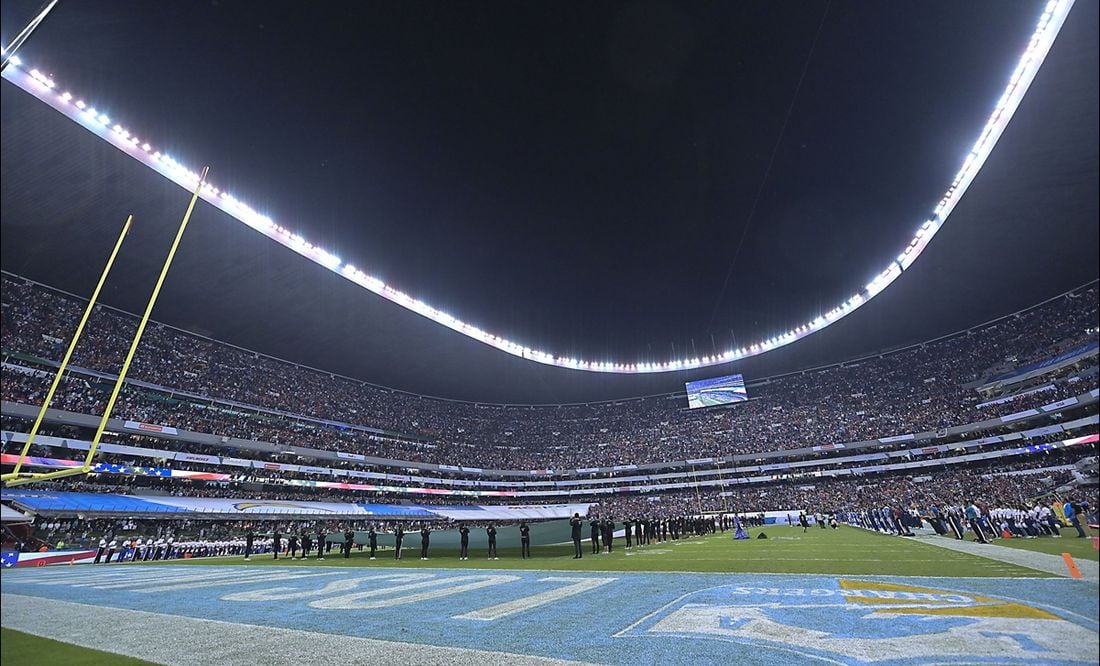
(716, 391)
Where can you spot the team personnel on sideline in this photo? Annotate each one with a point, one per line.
(491, 532)
(525, 540)
(372, 538)
(398, 536)
(575, 524)
(464, 543)
(594, 536)
(425, 539)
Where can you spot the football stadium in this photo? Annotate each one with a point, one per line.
(541, 333)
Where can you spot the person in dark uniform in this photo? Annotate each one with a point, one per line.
(372, 536)
(525, 540)
(575, 528)
(276, 543)
(425, 539)
(464, 543)
(102, 549)
(491, 532)
(349, 541)
(594, 535)
(628, 526)
(248, 539)
(292, 545)
(398, 535)
(804, 522)
(321, 538)
(307, 544)
(608, 535)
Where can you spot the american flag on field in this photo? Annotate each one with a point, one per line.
(9, 558)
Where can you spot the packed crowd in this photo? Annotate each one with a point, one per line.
(920, 388)
(139, 474)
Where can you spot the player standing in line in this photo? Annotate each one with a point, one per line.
(307, 544)
(372, 536)
(247, 545)
(398, 535)
(276, 543)
(974, 517)
(320, 543)
(594, 535)
(425, 538)
(292, 545)
(525, 540)
(575, 528)
(491, 531)
(464, 543)
(628, 526)
(349, 541)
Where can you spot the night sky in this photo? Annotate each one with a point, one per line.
(621, 181)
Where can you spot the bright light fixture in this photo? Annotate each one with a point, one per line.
(1046, 30)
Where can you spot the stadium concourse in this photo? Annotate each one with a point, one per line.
(987, 437)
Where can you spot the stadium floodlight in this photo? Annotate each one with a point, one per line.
(1046, 31)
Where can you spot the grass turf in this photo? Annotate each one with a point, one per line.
(1080, 549)
(845, 551)
(18, 648)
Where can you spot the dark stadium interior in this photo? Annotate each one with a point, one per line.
(401, 399)
(605, 268)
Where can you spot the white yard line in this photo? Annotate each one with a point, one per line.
(1090, 570)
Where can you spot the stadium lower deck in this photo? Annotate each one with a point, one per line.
(657, 604)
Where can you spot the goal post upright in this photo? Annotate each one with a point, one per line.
(87, 467)
(69, 352)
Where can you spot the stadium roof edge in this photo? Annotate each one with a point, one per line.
(43, 87)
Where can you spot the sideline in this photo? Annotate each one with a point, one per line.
(1053, 564)
(186, 640)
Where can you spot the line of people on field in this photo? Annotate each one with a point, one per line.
(641, 531)
(979, 519)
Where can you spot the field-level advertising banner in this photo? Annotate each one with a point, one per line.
(716, 391)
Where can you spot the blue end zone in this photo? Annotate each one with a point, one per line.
(620, 618)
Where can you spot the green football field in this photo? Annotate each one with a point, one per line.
(19, 648)
(845, 551)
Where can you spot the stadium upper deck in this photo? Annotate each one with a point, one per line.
(230, 392)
